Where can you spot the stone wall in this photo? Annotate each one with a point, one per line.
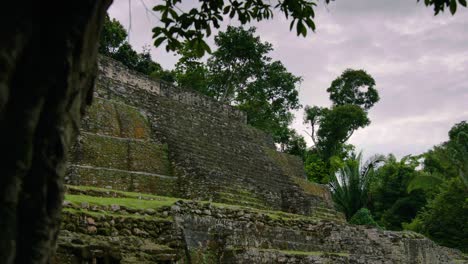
(238, 199)
(191, 145)
(102, 225)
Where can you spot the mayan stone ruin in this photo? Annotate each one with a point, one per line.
(160, 174)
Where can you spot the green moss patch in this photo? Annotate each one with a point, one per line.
(313, 188)
(149, 157)
(127, 202)
(111, 118)
(102, 118)
(102, 151)
(290, 165)
(132, 123)
(126, 181)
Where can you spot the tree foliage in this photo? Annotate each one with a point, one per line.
(195, 25)
(240, 58)
(444, 218)
(240, 73)
(352, 95)
(190, 72)
(113, 43)
(458, 147)
(390, 202)
(337, 126)
(354, 87)
(294, 144)
(363, 217)
(113, 35)
(441, 5)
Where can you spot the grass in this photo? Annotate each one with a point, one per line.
(146, 201)
(127, 202)
(135, 195)
(112, 214)
(308, 253)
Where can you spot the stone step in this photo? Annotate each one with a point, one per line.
(239, 197)
(123, 180)
(242, 203)
(257, 255)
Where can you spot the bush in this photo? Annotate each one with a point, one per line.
(444, 218)
(363, 217)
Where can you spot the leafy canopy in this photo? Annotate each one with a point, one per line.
(354, 87)
(390, 202)
(195, 25)
(352, 94)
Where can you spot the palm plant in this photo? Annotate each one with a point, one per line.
(350, 184)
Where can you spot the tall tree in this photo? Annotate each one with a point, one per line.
(48, 59)
(352, 94)
(335, 127)
(41, 107)
(239, 57)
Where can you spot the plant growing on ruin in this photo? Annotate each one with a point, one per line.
(350, 185)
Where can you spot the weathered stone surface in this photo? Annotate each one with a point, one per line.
(152, 138)
(203, 144)
(198, 232)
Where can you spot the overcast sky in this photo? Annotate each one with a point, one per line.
(419, 63)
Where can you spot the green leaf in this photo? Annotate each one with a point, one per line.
(462, 2)
(301, 29)
(292, 24)
(159, 8)
(173, 13)
(453, 6)
(226, 9)
(310, 23)
(158, 41)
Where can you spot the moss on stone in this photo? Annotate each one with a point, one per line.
(149, 157)
(127, 202)
(103, 151)
(307, 253)
(314, 188)
(132, 123)
(102, 118)
(100, 214)
(290, 165)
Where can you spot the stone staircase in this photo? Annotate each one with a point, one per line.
(116, 150)
(125, 227)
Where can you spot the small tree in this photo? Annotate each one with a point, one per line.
(350, 185)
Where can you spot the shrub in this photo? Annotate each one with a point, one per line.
(363, 217)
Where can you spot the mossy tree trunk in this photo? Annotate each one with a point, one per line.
(48, 65)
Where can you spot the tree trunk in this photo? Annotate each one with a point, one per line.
(48, 64)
